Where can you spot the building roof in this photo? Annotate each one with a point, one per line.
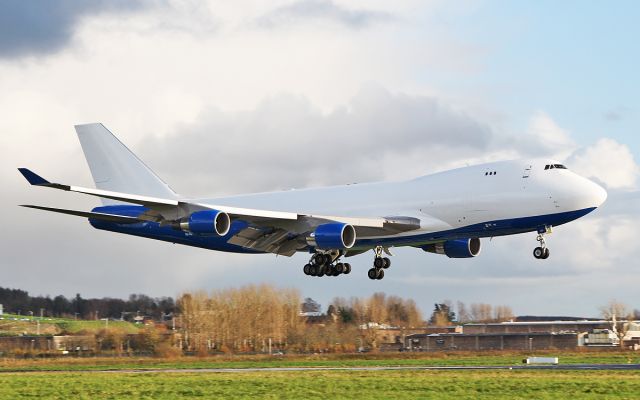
(524, 323)
(452, 334)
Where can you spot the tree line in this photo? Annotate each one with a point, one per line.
(17, 301)
(259, 318)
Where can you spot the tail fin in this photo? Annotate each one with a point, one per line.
(115, 168)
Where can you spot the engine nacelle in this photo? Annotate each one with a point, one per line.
(207, 222)
(333, 236)
(457, 248)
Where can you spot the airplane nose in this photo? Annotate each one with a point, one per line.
(597, 194)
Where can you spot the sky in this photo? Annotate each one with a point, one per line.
(222, 98)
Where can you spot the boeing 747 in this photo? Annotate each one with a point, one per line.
(445, 213)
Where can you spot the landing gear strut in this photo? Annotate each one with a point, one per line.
(380, 263)
(326, 264)
(542, 252)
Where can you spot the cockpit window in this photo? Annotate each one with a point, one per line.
(552, 166)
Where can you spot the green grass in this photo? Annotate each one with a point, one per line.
(74, 326)
(326, 384)
(333, 360)
(28, 324)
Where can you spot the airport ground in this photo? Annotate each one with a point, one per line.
(323, 376)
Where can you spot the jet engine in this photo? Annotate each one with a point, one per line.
(333, 236)
(457, 248)
(207, 222)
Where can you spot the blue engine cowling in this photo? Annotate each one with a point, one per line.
(207, 222)
(457, 248)
(333, 236)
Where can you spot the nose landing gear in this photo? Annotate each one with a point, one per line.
(542, 252)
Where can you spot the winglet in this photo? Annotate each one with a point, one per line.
(33, 178)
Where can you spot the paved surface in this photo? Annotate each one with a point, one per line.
(566, 367)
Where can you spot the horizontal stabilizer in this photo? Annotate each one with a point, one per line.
(119, 219)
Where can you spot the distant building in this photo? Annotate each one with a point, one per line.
(525, 335)
(490, 341)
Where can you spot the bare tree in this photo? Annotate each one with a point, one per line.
(481, 312)
(620, 316)
(502, 313)
(463, 314)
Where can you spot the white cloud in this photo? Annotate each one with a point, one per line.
(546, 137)
(219, 105)
(609, 162)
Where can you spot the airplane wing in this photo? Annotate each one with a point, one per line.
(270, 231)
(119, 219)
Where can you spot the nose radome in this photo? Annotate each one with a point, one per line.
(597, 193)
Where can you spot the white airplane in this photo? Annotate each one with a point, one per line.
(444, 213)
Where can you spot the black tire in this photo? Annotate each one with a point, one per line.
(546, 254)
(322, 270)
(319, 259)
(387, 263)
(306, 269)
(372, 273)
(313, 270)
(380, 274)
(538, 252)
(339, 268)
(347, 268)
(378, 262)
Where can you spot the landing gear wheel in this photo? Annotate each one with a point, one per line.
(372, 273)
(307, 269)
(538, 252)
(380, 274)
(313, 270)
(320, 259)
(545, 254)
(378, 262)
(387, 262)
(347, 268)
(340, 268)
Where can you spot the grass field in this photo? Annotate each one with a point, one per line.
(317, 360)
(413, 385)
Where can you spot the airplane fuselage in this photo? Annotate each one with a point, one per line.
(487, 200)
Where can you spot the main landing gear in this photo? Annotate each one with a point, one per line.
(542, 252)
(326, 264)
(379, 264)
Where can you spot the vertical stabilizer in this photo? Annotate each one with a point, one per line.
(114, 167)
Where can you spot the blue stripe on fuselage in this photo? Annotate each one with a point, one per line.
(501, 227)
(153, 230)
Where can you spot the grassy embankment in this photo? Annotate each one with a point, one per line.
(318, 360)
(11, 325)
(412, 385)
